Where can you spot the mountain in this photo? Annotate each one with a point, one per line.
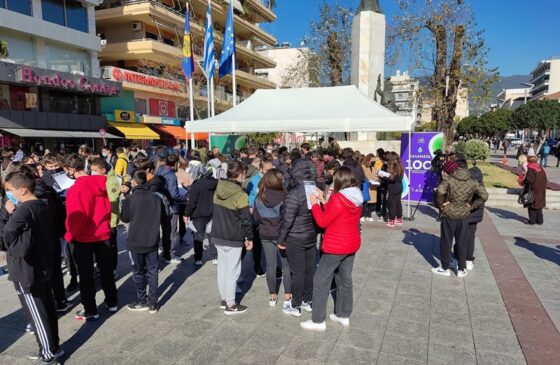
(505, 82)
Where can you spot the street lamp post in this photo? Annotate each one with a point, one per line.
(530, 86)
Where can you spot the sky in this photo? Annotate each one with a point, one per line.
(519, 33)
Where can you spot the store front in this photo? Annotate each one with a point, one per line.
(149, 103)
(44, 109)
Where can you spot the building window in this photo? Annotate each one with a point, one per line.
(68, 13)
(65, 102)
(140, 106)
(20, 6)
(66, 59)
(20, 47)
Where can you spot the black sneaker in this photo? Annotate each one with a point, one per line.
(138, 307)
(260, 273)
(63, 306)
(58, 353)
(153, 308)
(235, 309)
(112, 309)
(223, 304)
(83, 316)
(72, 287)
(52, 361)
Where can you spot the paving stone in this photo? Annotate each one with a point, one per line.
(451, 354)
(350, 355)
(367, 339)
(493, 358)
(410, 347)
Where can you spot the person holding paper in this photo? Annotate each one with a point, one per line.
(394, 177)
(371, 176)
(298, 236)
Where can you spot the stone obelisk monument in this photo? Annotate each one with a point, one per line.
(368, 49)
(368, 53)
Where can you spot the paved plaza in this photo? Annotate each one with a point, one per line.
(504, 312)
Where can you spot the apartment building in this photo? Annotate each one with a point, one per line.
(401, 94)
(290, 70)
(546, 78)
(142, 42)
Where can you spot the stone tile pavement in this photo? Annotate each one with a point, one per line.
(402, 314)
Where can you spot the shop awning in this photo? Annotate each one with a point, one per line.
(43, 133)
(135, 131)
(177, 132)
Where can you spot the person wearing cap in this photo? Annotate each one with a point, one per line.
(535, 181)
(456, 196)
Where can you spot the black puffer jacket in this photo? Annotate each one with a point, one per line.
(201, 194)
(356, 169)
(476, 214)
(297, 220)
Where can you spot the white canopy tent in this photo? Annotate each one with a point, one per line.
(316, 110)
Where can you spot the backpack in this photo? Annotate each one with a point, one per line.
(546, 149)
(166, 204)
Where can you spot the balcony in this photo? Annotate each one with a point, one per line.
(251, 81)
(260, 12)
(141, 49)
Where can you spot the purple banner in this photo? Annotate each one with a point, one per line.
(423, 180)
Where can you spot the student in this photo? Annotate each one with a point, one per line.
(143, 240)
(340, 216)
(88, 230)
(100, 167)
(371, 174)
(267, 210)
(29, 239)
(456, 196)
(298, 236)
(231, 231)
(199, 210)
(394, 189)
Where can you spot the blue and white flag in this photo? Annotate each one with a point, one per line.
(209, 62)
(188, 57)
(228, 47)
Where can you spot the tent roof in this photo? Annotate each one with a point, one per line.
(328, 109)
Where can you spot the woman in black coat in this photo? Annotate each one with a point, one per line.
(298, 236)
(535, 181)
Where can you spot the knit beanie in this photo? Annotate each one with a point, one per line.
(450, 166)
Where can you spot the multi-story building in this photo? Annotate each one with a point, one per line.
(142, 47)
(290, 70)
(512, 98)
(546, 78)
(461, 110)
(50, 88)
(401, 94)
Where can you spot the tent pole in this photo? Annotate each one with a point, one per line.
(409, 168)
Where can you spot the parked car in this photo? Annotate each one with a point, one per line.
(515, 142)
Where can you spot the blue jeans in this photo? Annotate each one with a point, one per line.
(544, 160)
(145, 276)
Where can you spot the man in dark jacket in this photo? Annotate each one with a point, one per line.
(231, 231)
(28, 239)
(143, 240)
(199, 210)
(457, 195)
(167, 171)
(298, 237)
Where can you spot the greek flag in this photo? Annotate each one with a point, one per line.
(209, 63)
(228, 47)
(188, 57)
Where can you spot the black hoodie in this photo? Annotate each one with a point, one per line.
(357, 169)
(267, 213)
(201, 194)
(144, 211)
(297, 221)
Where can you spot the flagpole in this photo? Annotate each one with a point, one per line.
(191, 102)
(213, 106)
(234, 80)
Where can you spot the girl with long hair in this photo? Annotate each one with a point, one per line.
(395, 169)
(371, 174)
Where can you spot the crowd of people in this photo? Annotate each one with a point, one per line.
(65, 210)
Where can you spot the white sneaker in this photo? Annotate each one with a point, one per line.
(369, 219)
(198, 263)
(286, 304)
(312, 326)
(215, 262)
(343, 321)
(440, 271)
(272, 302)
(296, 312)
(362, 219)
(461, 273)
(308, 307)
(470, 265)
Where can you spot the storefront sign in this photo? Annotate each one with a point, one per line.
(162, 108)
(423, 180)
(170, 121)
(122, 75)
(66, 81)
(124, 116)
(148, 119)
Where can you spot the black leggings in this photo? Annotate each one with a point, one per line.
(394, 205)
(367, 210)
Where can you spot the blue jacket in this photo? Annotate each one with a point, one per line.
(172, 188)
(253, 188)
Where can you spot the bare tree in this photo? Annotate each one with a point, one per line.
(441, 38)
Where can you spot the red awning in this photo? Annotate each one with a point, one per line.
(177, 132)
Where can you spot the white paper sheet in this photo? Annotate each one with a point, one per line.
(383, 174)
(310, 189)
(63, 182)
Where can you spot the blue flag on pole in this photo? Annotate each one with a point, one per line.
(188, 56)
(228, 47)
(209, 63)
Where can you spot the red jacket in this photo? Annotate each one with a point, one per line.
(340, 217)
(88, 210)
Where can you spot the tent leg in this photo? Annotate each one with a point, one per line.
(409, 171)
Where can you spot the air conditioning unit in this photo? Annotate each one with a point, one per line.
(137, 26)
(75, 72)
